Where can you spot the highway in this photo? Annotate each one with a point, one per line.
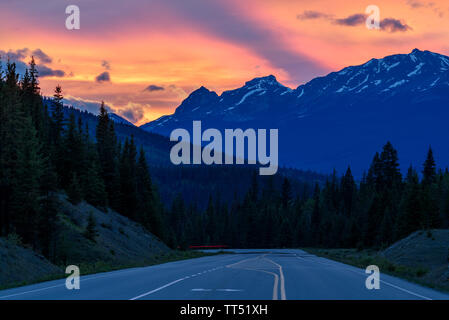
(279, 274)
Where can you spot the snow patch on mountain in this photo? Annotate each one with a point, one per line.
(247, 95)
(417, 69)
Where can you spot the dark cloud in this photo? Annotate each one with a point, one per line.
(419, 4)
(15, 55)
(41, 56)
(310, 14)
(105, 64)
(388, 24)
(358, 19)
(19, 57)
(45, 71)
(103, 77)
(22, 54)
(393, 25)
(352, 20)
(153, 87)
(416, 4)
(133, 113)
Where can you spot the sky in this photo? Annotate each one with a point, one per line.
(144, 57)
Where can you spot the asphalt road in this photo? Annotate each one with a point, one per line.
(248, 274)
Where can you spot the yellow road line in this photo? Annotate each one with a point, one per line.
(281, 274)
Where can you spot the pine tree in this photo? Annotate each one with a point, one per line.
(430, 210)
(57, 144)
(410, 219)
(390, 167)
(34, 82)
(74, 153)
(33, 102)
(429, 171)
(95, 192)
(58, 113)
(374, 177)
(147, 203)
(127, 169)
(107, 154)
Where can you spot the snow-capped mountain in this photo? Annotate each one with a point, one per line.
(340, 119)
(247, 103)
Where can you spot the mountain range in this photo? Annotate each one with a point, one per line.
(338, 120)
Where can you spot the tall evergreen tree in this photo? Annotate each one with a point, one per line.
(58, 113)
(410, 217)
(147, 206)
(429, 171)
(107, 154)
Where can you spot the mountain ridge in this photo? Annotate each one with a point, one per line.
(366, 100)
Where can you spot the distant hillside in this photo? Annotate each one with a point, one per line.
(336, 120)
(156, 147)
(194, 182)
(228, 183)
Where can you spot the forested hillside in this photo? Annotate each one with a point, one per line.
(42, 155)
(377, 211)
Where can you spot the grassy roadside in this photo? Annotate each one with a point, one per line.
(364, 258)
(101, 266)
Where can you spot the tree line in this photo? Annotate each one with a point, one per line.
(379, 210)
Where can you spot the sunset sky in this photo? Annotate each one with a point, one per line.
(144, 57)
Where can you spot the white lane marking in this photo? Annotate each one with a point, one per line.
(229, 290)
(158, 289)
(405, 290)
(59, 285)
(282, 284)
(171, 283)
(82, 279)
(383, 281)
(200, 289)
(36, 290)
(208, 290)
